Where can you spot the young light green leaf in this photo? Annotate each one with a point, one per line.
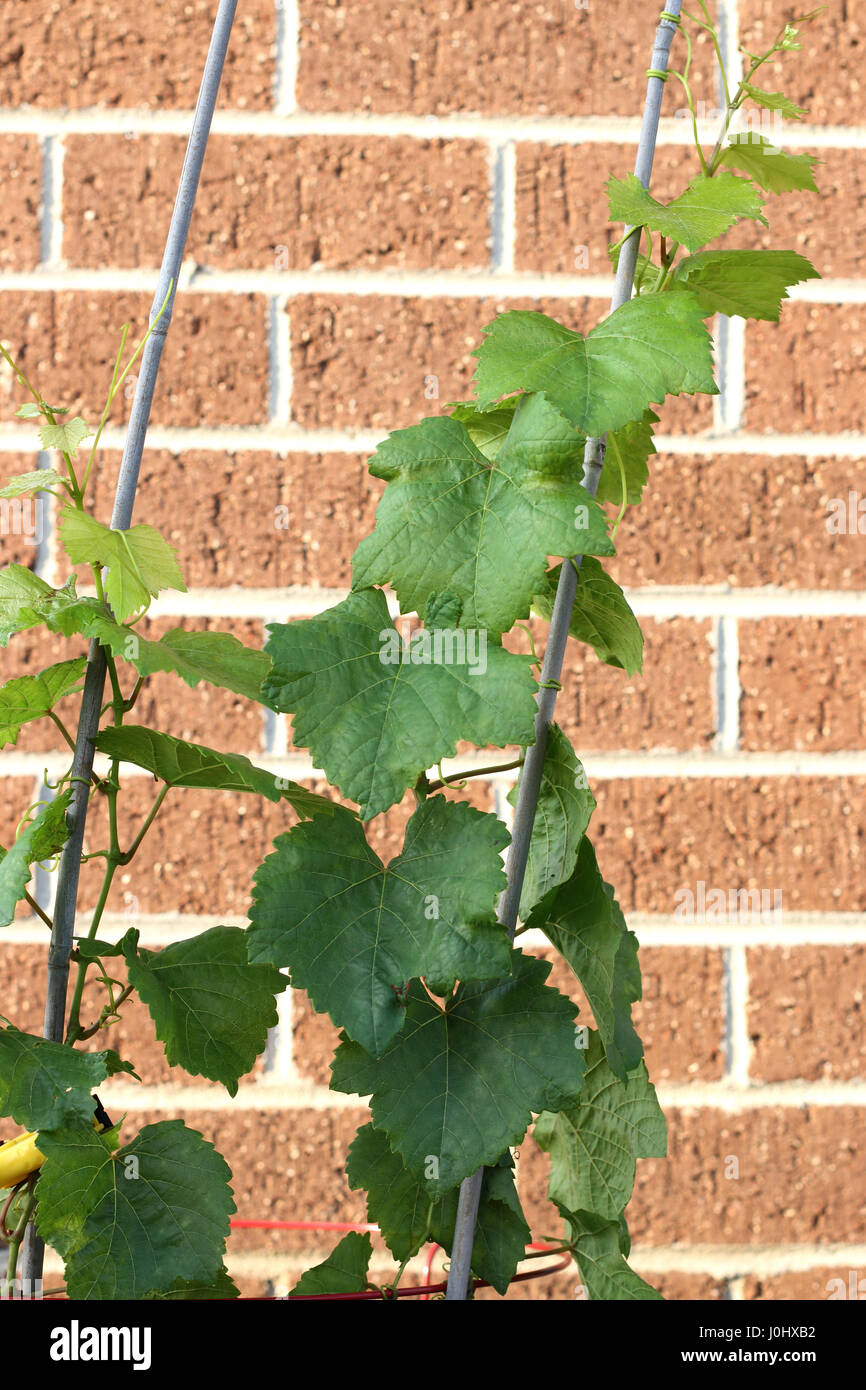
(457, 1086)
(565, 805)
(647, 349)
(28, 411)
(595, 1142)
(774, 169)
(31, 697)
(66, 437)
(449, 519)
(344, 1271)
(20, 594)
(41, 479)
(44, 1085)
(601, 616)
(775, 101)
(181, 764)
(140, 563)
(211, 1006)
(488, 429)
(352, 932)
(215, 657)
(133, 1221)
(40, 839)
(583, 921)
(398, 1204)
(635, 444)
(750, 284)
(601, 1261)
(375, 715)
(705, 211)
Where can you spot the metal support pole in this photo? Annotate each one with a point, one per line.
(94, 681)
(554, 653)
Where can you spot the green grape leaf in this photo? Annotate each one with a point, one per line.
(28, 411)
(647, 349)
(774, 169)
(601, 616)
(565, 805)
(140, 563)
(457, 1086)
(583, 921)
(705, 211)
(31, 697)
(775, 101)
(133, 1221)
(181, 764)
(66, 437)
(20, 592)
(488, 429)
(44, 1085)
(115, 1064)
(750, 284)
(352, 932)
(597, 1245)
(450, 519)
(398, 1204)
(344, 1271)
(40, 839)
(223, 1286)
(375, 715)
(595, 1142)
(635, 443)
(214, 657)
(41, 479)
(211, 1006)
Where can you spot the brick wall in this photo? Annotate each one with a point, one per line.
(381, 180)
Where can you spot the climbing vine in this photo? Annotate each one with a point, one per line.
(450, 1028)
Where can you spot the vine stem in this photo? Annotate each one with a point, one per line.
(554, 653)
(121, 519)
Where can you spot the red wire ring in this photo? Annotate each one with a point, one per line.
(422, 1291)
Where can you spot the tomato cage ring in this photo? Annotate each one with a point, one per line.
(536, 1248)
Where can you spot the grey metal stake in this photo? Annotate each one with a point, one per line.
(124, 500)
(554, 653)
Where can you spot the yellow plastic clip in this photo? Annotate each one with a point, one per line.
(18, 1159)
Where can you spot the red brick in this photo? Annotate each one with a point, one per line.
(810, 1285)
(366, 362)
(667, 705)
(806, 1007)
(741, 520)
(214, 369)
(800, 836)
(342, 202)
(73, 56)
(557, 227)
(252, 518)
(681, 1016)
(805, 372)
(524, 58)
(21, 178)
(801, 686)
(832, 44)
(198, 857)
(800, 1179)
